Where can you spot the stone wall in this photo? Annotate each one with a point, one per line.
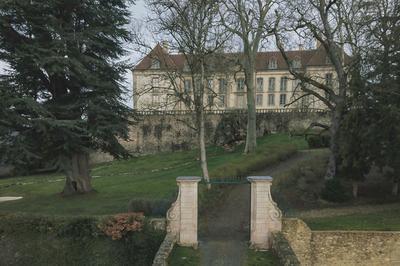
(355, 248)
(172, 131)
(341, 247)
(299, 236)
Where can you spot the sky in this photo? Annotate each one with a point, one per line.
(138, 14)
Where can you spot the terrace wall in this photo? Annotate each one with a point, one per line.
(173, 130)
(341, 247)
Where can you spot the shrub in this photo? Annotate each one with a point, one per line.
(121, 224)
(334, 191)
(318, 141)
(149, 207)
(301, 185)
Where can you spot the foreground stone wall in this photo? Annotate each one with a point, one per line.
(341, 247)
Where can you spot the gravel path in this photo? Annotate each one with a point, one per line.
(224, 233)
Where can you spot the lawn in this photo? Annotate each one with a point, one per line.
(149, 177)
(261, 258)
(181, 256)
(184, 256)
(376, 221)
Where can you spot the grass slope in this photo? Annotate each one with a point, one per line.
(375, 221)
(149, 177)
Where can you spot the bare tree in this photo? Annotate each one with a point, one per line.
(194, 32)
(335, 25)
(248, 21)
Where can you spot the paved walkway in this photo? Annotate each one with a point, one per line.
(224, 231)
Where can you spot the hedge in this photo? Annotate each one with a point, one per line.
(45, 240)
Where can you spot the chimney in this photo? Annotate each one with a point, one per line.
(165, 46)
(301, 47)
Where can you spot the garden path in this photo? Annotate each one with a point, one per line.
(224, 230)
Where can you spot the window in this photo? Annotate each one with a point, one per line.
(197, 84)
(272, 64)
(271, 84)
(222, 101)
(222, 86)
(305, 101)
(155, 64)
(155, 99)
(240, 84)
(260, 84)
(328, 79)
(210, 100)
(328, 60)
(187, 85)
(155, 82)
(296, 63)
(240, 101)
(259, 99)
(271, 99)
(282, 99)
(296, 84)
(209, 84)
(284, 83)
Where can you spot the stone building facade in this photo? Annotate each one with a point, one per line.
(275, 87)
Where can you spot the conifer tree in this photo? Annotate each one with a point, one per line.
(62, 97)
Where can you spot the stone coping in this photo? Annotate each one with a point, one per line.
(260, 178)
(188, 178)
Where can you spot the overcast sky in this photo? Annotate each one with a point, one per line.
(138, 14)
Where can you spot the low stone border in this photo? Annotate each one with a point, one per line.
(165, 249)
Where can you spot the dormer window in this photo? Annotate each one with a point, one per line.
(272, 64)
(296, 63)
(155, 64)
(328, 60)
(186, 67)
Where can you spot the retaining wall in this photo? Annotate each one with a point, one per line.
(170, 131)
(341, 247)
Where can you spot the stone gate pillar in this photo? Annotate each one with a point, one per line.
(265, 216)
(182, 216)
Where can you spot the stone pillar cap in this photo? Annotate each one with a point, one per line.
(188, 178)
(259, 178)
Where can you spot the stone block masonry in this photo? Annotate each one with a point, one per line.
(170, 131)
(265, 216)
(341, 247)
(183, 214)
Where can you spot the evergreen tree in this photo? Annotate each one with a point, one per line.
(62, 97)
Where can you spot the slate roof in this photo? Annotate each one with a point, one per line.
(314, 57)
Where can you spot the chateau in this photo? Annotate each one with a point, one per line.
(275, 87)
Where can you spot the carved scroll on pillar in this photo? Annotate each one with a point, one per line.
(266, 217)
(174, 216)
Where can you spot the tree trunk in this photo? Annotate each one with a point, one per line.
(251, 136)
(395, 188)
(203, 152)
(201, 127)
(78, 179)
(337, 115)
(355, 189)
